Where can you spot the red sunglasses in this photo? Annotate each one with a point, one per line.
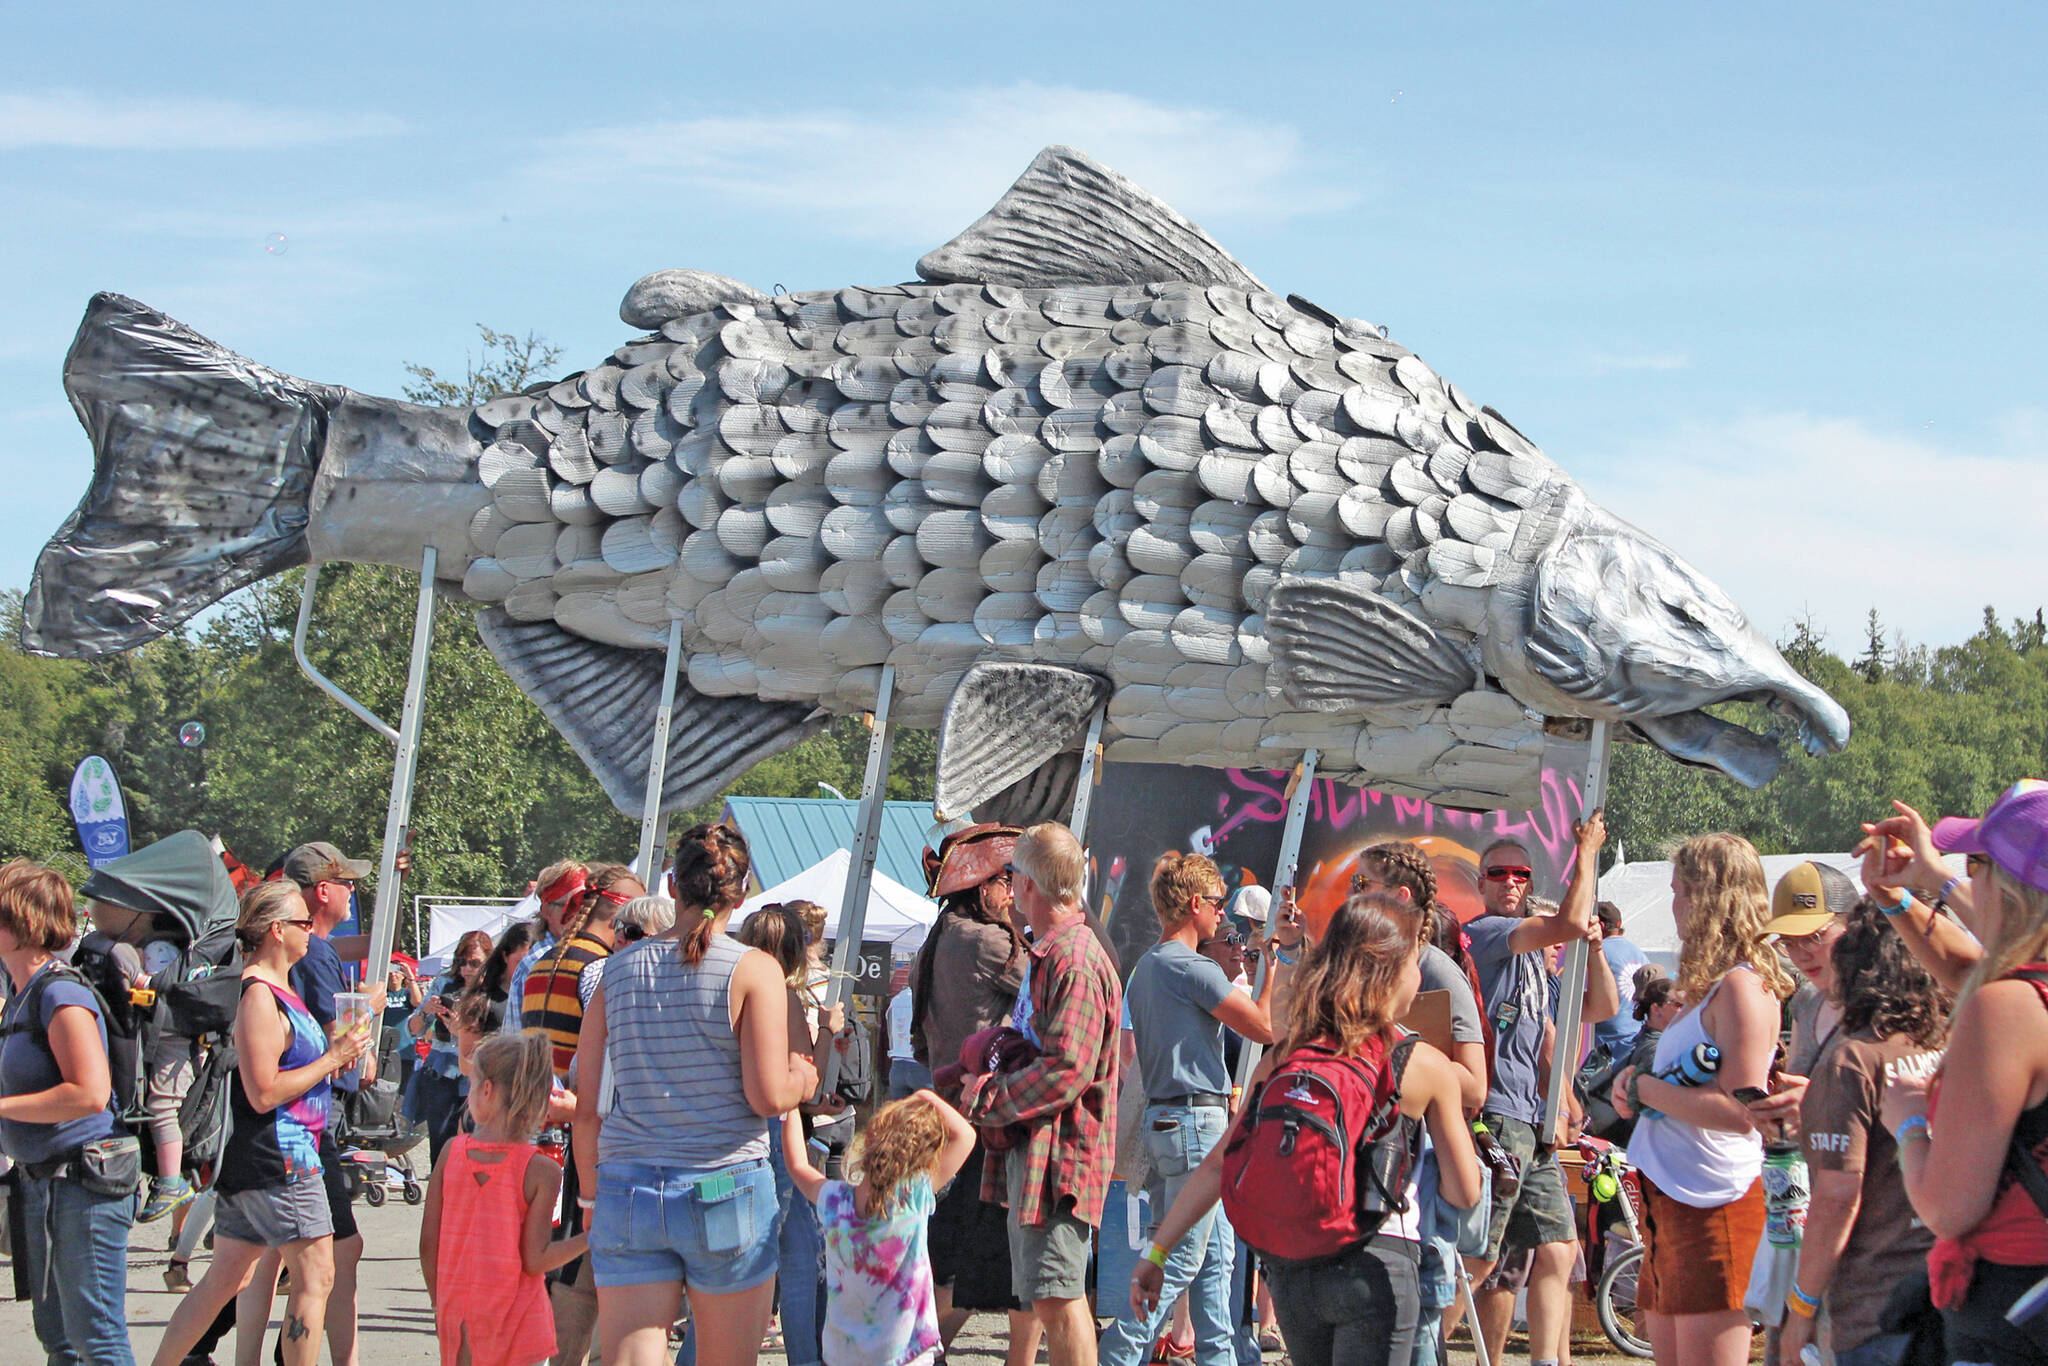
(1508, 874)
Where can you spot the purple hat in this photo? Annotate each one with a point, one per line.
(2013, 833)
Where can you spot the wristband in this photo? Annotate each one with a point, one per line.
(1908, 1127)
(1156, 1255)
(1948, 889)
(1798, 1302)
(1282, 955)
(585, 1202)
(1905, 900)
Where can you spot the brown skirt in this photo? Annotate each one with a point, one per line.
(1696, 1261)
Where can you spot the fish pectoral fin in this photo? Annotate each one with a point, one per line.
(1070, 220)
(1340, 648)
(1007, 734)
(603, 698)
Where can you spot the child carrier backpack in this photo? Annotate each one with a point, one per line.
(1323, 1154)
(201, 1007)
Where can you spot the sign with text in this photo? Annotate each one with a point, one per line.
(98, 811)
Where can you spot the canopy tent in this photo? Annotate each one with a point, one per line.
(895, 913)
(1642, 891)
(448, 921)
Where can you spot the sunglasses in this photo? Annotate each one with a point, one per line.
(1215, 899)
(1974, 862)
(304, 924)
(1508, 874)
(1361, 883)
(470, 963)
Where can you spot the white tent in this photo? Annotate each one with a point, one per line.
(1643, 893)
(448, 922)
(895, 913)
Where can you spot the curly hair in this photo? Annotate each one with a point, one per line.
(1881, 985)
(1731, 901)
(904, 1138)
(1177, 879)
(709, 875)
(1343, 993)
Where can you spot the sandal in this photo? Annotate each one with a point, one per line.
(1269, 1340)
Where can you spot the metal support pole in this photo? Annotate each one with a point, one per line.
(1571, 984)
(1471, 1309)
(1084, 787)
(321, 680)
(657, 757)
(398, 816)
(658, 868)
(860, 868)
(1298, 794)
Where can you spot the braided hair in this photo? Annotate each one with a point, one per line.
(709, 876)
(1403, 863)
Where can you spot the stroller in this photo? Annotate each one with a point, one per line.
(376, 1138)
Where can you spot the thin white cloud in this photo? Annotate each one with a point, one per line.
(1612, 363)
(77, 119)
(920, 173)
(1797, 514)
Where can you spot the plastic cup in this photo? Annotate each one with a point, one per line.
(352, 1011)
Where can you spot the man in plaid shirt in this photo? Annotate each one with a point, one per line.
(1056, 1177)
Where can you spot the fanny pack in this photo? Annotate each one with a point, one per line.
(110, 1166)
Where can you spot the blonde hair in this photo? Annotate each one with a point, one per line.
(1731, 901)
(1343, 993)
(2021, 936)
(813, 917)
(554, 873)
(264, 905)
(522, 1068)
(1177, 879)
(1050, 856)
(904, 1138)
(36, 905)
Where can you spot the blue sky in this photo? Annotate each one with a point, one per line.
(1768, 283)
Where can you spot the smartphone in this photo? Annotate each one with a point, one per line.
(1750, 1095)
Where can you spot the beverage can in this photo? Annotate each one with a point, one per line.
(1786, 1193)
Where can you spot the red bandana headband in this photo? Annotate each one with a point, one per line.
(567, 887)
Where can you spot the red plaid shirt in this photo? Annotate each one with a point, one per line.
(1068, 1096)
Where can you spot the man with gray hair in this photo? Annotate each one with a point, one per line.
(1059, 1108)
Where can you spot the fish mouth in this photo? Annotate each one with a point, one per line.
(1751, 758)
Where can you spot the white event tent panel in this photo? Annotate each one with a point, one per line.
(895, 913)
(446, 924)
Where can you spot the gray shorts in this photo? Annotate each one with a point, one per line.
(1048, 1261)
(276, 1215)
(1542, 1210)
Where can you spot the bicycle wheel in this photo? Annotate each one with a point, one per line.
(1616, 1303)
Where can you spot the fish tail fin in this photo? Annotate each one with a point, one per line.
(203, 467)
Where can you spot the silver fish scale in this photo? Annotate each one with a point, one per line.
(1111, 477)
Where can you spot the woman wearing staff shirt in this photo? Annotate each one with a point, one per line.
(54, 1092)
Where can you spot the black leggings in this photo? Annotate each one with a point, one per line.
(1360, 1309)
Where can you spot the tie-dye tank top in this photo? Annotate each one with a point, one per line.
(273, 1148)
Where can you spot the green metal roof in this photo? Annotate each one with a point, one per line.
(788, 834)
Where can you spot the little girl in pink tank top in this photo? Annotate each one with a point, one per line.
(485, 1244)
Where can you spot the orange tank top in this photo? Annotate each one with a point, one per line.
(482, 1291)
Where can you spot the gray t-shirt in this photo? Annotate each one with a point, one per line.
(1441, 973)
(1516, 987)
(1172, 992)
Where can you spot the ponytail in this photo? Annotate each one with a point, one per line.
(709, 874)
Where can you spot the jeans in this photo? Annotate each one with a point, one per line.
(801, 1244)
(1359, 1310)
(907, 1076)
(1886, 1349)
(77, 1264)
(1177, 1138)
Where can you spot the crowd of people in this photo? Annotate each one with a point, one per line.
(642, 1116)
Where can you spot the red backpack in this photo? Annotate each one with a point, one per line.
(1323, 1154)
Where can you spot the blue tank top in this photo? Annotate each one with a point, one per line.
(273, 1148)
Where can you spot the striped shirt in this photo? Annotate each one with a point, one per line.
(552, 1001)
(674, 1061)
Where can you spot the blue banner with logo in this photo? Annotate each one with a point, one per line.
(99, 812)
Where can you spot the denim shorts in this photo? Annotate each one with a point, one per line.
(712, 1228)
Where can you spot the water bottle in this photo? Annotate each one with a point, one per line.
(1785, 1197)
(1697, 1068)
(1507, 1173)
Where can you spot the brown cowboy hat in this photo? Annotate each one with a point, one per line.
(968, 857)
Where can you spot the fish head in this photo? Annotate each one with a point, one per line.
(1612, 624)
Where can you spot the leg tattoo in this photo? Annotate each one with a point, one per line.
(295, 1329)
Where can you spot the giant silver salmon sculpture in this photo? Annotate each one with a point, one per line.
(1089, 456)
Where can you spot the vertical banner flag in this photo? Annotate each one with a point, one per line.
(97, 809)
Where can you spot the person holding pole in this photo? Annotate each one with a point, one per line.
(1181, 1002)
(1508, 950)
(1064, 1100)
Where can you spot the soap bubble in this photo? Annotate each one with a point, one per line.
(192, 734)
(276, 244)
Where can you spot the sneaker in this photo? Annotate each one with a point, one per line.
(177, 1279)
(166, 1193)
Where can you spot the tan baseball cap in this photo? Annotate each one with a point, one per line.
(1807, 898)
(322, 862)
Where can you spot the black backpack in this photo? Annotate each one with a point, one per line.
(124, 1054)
(202, 1007)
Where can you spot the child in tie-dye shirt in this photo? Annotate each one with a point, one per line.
(878, 1274)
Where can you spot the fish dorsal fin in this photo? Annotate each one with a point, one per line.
(603, 698)
(1070, 220)
(1341, 648)
(1004, 723)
